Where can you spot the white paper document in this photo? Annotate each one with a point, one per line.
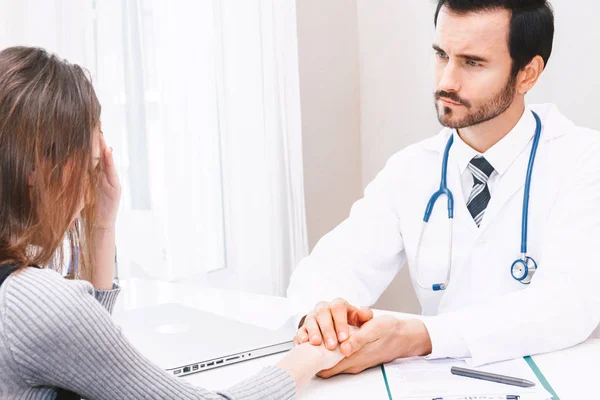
(417, 378)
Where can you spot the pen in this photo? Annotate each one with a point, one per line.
(498, 397)
(488, 376)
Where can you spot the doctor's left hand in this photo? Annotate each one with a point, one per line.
(380, 340)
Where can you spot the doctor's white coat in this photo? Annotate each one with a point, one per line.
(484, 314)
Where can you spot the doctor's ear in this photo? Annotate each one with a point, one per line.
(528, 76)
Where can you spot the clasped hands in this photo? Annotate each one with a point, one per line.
(364, 340)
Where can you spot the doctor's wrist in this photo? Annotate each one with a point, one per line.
(412, 338)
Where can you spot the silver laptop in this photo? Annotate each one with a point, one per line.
(183, 340)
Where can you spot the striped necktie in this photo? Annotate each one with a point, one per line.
(480, 194)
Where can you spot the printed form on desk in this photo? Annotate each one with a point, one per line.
(418, 379)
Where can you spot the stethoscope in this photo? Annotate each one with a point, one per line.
(522, 269)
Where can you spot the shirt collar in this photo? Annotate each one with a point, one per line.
(505, 152)
(463, 152)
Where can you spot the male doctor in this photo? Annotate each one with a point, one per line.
(489, 303)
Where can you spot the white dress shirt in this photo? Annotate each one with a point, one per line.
(500, 156)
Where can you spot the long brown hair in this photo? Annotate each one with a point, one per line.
(48, 113)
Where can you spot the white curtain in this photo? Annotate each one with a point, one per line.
(200, 101)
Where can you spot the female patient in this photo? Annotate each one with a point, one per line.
(58, 181)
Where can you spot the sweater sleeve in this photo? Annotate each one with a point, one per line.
(108, 298)
(60, 335)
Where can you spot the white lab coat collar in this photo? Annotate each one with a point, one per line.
(505, 152)
(463, 153)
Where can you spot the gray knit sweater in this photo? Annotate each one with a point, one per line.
(59, 333)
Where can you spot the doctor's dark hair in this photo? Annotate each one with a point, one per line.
(531, 26)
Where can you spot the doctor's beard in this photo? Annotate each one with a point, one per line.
(490, 109)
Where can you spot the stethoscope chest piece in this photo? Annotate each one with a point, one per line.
(523, 269)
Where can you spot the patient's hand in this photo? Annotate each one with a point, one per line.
(328, 358)
(305, 360)
(331, 358)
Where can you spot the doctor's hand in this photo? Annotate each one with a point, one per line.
(380, 340)
(329, 323)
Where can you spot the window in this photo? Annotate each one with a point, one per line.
(200, 102)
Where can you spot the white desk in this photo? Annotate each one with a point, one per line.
(573, 372)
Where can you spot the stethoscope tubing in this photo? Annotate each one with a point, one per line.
(444, 190)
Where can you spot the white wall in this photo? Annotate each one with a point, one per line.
(396, 97)
(330, 100)
(572, 79)
(395, 39)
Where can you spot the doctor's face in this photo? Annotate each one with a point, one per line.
(473, 67)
